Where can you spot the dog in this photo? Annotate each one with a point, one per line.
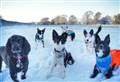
(15, 56)
(90, 39)
(106, 60)
(39, 37)
(70, 33)
(61, 57)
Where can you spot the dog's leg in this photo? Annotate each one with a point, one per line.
(109, 74)
(95, 72)
(72, 36)
(14, 76)
(24, 70)
(63, 71)
(23, 74)
(0, 64)
(43, 43)
(51, 69)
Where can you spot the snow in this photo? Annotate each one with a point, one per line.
(40, 58)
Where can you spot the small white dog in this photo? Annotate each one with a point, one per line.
(90, 39)
(59, 53)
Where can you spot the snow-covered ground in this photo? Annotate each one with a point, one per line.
(39, 59)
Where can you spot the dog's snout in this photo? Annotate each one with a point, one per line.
(101, 46)
(16, 47)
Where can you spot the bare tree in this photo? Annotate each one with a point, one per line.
(44, 20)
(116, 19)
(106, 20)
(87, 18)
(62, 19)
(97, 17)
(72, 20)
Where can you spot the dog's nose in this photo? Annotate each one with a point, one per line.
(101, 47)
(87, 40)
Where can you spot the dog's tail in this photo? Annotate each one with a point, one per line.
(99, 29)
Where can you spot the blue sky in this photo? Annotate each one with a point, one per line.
(34, 10)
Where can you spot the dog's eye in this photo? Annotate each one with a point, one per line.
(18, 40)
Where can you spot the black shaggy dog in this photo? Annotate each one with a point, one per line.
(15, 56)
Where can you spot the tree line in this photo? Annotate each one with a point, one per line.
(88, 18)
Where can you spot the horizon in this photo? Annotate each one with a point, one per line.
(33, 11)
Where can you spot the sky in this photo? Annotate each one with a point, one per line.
(34, 10)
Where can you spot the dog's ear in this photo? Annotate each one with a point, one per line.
(91, 32)
(97, 39)
(38, 29)
(107, 39)
(64, 35)
(84, 32)
(43, 30)
(54, 35)
(26, 47)
(8, 47)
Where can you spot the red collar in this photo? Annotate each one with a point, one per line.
(16, 57)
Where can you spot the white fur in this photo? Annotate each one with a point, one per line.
(57, 61)
(100, 53)
(90, 43)
(59, 46)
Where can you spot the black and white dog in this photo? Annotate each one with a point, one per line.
(39, 37)
(90, 39)
(61, 57)
(103, 58)
(15, 56)
(70, 33)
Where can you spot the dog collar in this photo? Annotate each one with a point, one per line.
(103, 64)
(17, 57)
(60, 53)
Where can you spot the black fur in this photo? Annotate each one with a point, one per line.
(104, 46)
(72, 34)
(57, 38)
(68, 58)
(8, 55)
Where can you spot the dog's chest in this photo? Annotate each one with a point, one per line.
(59, 56)
(103, 64)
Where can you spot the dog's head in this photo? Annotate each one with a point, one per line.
(59, 40)
(64, 29)
(40, 32)
(102, 48)
(89, 36)
(17, 44)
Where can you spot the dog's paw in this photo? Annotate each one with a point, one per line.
(92, 76)
(48, 76)
(16, 81)
(23, 77)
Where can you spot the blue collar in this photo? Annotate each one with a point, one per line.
(103, 64)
